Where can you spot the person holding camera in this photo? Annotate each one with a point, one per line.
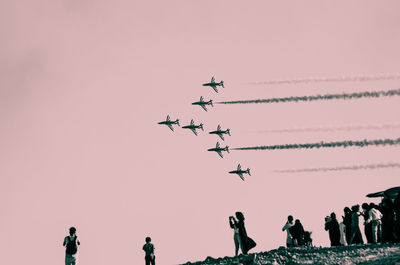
(332, 225)
(233, 223)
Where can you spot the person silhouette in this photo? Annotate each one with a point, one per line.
(233, 223)
(149, 250)
(71, 244)
(286, 227)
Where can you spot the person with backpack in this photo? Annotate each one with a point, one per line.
(71, 243)
(149, 250)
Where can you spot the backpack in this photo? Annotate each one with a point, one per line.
(72, 248)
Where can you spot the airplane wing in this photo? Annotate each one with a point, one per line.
(239, 167)
(204, 107)
(220, 154)
(215, 88)
(217, 145)
(192, 122)
(221, 136)
(212, 79)
(241, 176)
(219, 127)
(194, 131)
(168, 119)
(170, 126)
(201, 98)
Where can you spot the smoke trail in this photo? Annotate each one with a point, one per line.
(331, 79)
(324, 169)
(334, 129)
(372, 94)
(322, 144)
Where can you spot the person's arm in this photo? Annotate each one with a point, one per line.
(285, 227)
(65, 241)
(230, 222)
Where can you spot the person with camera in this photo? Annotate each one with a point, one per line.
(332, 225)
(233, 223)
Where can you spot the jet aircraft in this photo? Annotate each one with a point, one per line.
(169, 123)
(219, 149)
(214, 85)
(193, 127)
(220, 133)
(203, 103)
(240, 172)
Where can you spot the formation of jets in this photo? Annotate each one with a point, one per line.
(193, 127)
(240, 172)
(219, 149)
(214, 85)
(203, 103)
(220, 133)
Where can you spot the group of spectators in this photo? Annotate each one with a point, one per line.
(381, 223)
(296, 236)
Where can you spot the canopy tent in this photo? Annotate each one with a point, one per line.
(390, 193)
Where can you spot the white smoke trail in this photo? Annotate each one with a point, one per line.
(360, 78)
(355, 167)
(336, 128)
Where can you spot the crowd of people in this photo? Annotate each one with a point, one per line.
(381, 223)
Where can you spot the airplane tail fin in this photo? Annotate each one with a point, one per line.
(228, 131)
(201, 126)
(211, 103)
(222, 83)
(248, 171)
(177, 122)
(227, 149)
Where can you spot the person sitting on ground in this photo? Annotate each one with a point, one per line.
(149, 250)
(289, 238)
(332, 225)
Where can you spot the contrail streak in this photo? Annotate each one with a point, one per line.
(322, 144)
(335, 128)
(345, 96)
(331, 79)
(324, 169)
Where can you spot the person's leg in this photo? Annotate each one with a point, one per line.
(153, 261)
(147, 260)
(236, 239)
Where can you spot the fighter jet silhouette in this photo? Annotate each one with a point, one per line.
(240, 172)
(214, 85)
(169, 123)
(193, 127)
(219, 149)
(203, 103)
(220, 133)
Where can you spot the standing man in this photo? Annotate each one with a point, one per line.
(71, 243)
(289, 238)
(149, 250)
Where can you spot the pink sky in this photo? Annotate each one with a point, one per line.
(84, 83)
